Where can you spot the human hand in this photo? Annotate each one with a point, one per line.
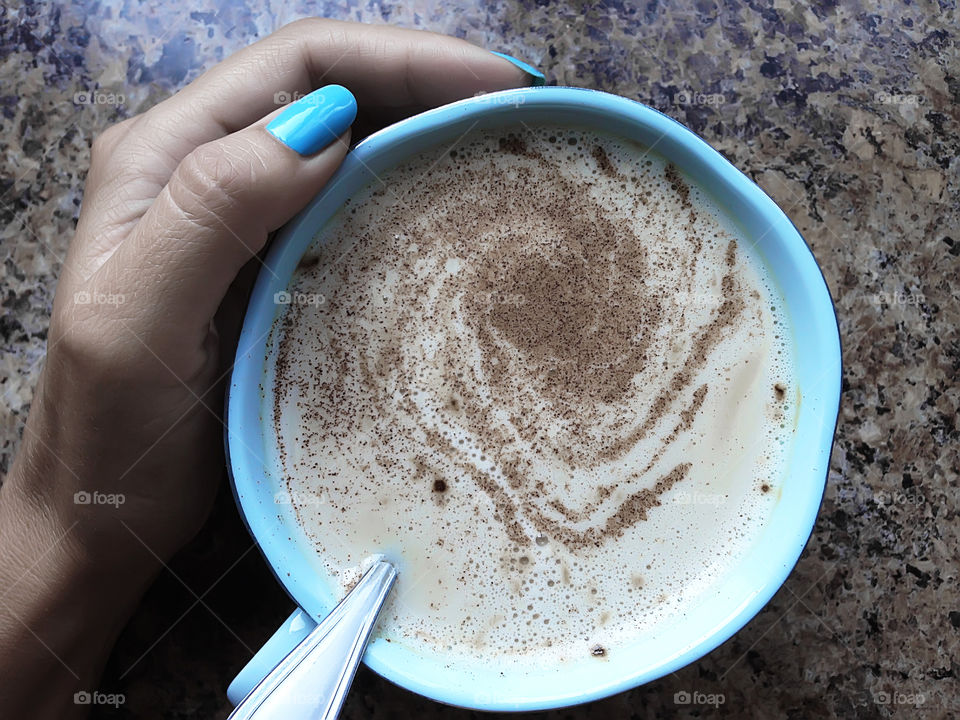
(177, 204)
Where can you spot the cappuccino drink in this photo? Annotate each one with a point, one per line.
(547, 376)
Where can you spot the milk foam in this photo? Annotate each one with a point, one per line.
(548, 380)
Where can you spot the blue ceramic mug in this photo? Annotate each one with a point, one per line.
(734, 601)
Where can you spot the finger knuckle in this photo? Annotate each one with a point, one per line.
(84, 349)
(303, 25)
(208, 177)
(105, 144)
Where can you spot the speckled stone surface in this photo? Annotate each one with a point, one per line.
(845, 112)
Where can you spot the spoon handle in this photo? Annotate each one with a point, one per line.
(312, 681)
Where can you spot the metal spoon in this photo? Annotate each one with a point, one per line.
(311, 682)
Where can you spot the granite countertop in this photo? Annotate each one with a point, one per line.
(845, 112)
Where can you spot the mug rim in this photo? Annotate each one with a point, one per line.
(248, 369)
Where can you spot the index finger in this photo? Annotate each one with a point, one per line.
(382, 66)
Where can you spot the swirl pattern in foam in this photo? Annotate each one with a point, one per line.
(545, 373)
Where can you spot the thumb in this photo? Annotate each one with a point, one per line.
(216, 212)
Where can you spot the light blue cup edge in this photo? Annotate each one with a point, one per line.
(248, 373)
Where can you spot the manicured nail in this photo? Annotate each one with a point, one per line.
(315, 120)
(538, 78)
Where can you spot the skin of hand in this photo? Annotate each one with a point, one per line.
(178, 203)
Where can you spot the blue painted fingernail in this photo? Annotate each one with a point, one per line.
(315, 120)
(538, 78)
